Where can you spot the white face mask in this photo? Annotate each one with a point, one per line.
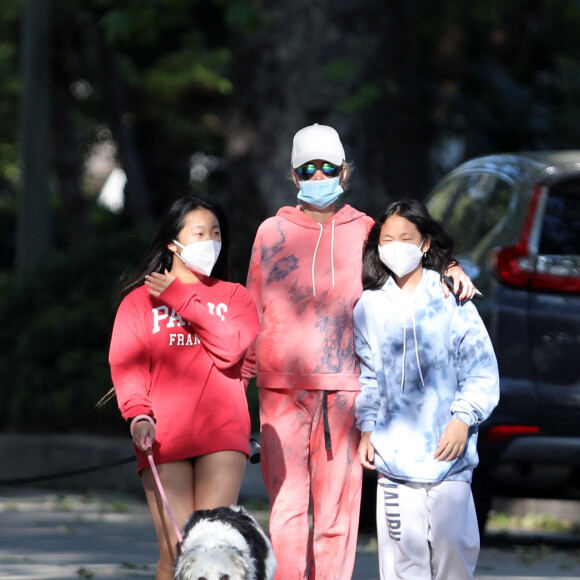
(200, 257)
(400, 258)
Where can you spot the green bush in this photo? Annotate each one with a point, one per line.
(54, 337)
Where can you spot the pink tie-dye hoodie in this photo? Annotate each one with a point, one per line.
(306, 278)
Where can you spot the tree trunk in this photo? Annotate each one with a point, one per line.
(33, 235)
(138, 196)
(68, 159)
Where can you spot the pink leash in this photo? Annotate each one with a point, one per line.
(149, 452)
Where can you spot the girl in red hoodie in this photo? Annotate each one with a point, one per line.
(177, 342)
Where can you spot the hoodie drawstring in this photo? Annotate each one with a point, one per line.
(404, 353)
(332, 255)
(331, 258)
(314, 261)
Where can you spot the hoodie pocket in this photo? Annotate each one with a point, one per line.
(307, 344)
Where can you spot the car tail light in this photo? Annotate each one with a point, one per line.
(513, 266)
(499, 433)
(516, 265)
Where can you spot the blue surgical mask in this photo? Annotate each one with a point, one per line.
(320, 193)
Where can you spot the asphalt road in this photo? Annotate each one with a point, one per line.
(59, 534)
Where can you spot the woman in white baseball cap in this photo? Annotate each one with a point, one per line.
(305, 276)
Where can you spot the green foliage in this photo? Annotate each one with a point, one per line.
(242, 14)
(495, 75)
(174, 63)
(9, 25)
(143, 22)
(501, 75)
(185, 69)
(169, 47)
(341, 70)
(367, 95)
(531, 521)
(56, 325)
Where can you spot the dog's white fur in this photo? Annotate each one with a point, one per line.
(215, 550)
(213, 564)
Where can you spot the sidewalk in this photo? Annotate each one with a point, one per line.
(76, 530)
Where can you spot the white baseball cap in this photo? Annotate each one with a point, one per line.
(317, 142)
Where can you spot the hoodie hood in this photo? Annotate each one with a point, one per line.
(344, 215)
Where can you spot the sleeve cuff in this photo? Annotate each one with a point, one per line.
(465, 417)
(367, 426)
(138, 410)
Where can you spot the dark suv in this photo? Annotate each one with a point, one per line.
(515, 220)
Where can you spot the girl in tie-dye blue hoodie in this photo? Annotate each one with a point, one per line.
(429, 377)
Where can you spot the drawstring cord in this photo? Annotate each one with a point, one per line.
(417, 351)
(332, 255)
(314, 261)
(404, 353)
(316, 253)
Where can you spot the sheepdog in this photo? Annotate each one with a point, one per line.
(225, 543)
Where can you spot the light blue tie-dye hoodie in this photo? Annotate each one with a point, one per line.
(424, 359)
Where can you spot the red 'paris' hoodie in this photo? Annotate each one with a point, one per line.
(177, 358)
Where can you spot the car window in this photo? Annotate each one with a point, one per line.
(560, 233)
(471, 206)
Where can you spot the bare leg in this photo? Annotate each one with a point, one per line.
(178, 484)
(218, 479)
(213, 480)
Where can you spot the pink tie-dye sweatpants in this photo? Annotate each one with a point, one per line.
(297, 468)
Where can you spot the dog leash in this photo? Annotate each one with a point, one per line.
(149, 452)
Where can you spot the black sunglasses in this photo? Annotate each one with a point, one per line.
(306, 171)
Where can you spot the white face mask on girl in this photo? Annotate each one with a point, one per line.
(200, 257)
(401, 258)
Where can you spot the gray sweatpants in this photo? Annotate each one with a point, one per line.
(426, 531)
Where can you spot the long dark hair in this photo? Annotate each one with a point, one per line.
(375, 273)
(160, 258)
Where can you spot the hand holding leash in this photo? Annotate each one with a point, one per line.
(142, 428)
